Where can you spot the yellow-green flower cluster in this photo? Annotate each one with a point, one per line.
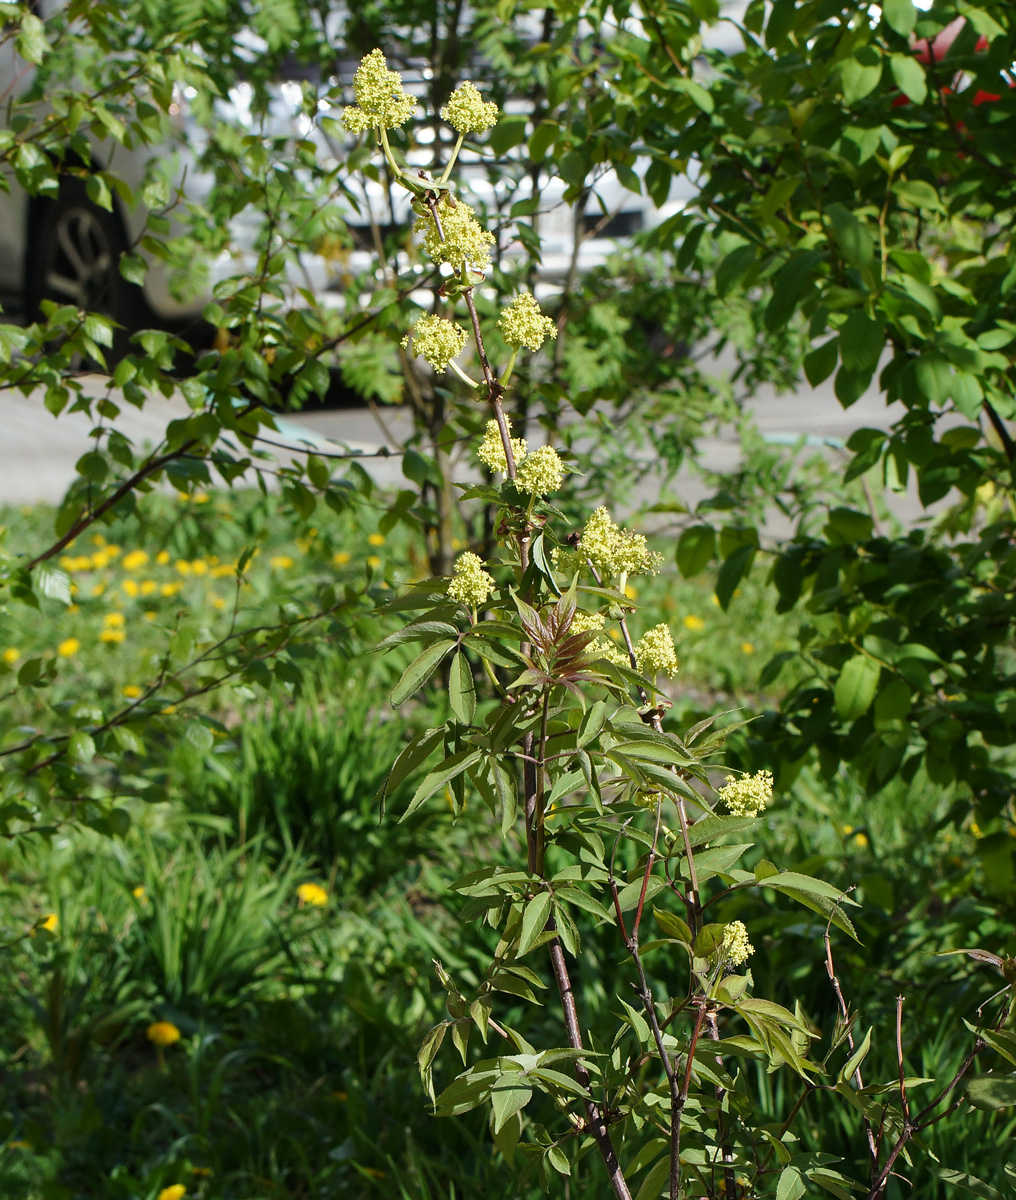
(735, 946)
(600, 647)
(465, 239)
(540, 472)
(522, 323)
(467, 112)
(436, 340)
(470, 582)
(748, 796)
(613, 550)
(381, 100)
(491, 449)
(655, 654)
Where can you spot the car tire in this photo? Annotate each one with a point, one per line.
(74, 258)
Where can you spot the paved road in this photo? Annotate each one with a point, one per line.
(38, 452)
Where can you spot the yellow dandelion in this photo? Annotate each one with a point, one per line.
(747, 647)
(341, 558)
(313, 894)
(169, 710)
(130, 588)
(199, 567)
(217, 602)
(98, 561)
(135, 559)
(68, 647)
(375, 539)
(183, 567)
(115, 620)
(139, 892)
(73, 608)
(113, 551)
(131, 691)
(11, 654)
(280, 562)
(112, 637)
(173, 1193)
(150, 615)
(98, 539)
(149, 587)
(162, 557)
(169, 589)
(373, 561)
(98, 589)
(162, 1033)
(50, 922)
(222, 571)
(694, 623)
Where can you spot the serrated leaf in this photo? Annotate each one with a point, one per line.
(534, 919)
(419, 671)
(452, 768)
(509, 1095)
(791, 1185)
(462, 689)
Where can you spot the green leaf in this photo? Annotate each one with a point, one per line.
(791, 1185)
(81, 747)
(849, 1068)
(820, 363)
(673, 926)
(510, 131)
(440, 777)
(656, 1180)
(695, 549)
(856, 687)
(31, 41)
(534, 919)
(509, 1095)
(860, 75)
(900, 15)
(462, 689)
(969, 1183)
(593, 720)
(909, 76)
(419, 671)
(861, 342)
(991, 1092)
(734, 569)
(427, 1054)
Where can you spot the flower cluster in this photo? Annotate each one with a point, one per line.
(436, 340)
(655, 654)
(600, 647)
(748, 796)
(540, 472)
(522, 323)
(381, 100)
(465, 239)
(470, 582)
(467, 112)
(612, 550)
(735, 945)
(491, 449)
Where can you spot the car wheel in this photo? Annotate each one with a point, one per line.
(74, 258)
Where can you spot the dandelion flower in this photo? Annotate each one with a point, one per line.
(174, 1192)
(68, 647)
(747, 796)
(50, 922)
(115, 620)
(341, 558)
(470, 582)
(139, 892)
(375, 539)
(199, 567)
(135, 559)
(694, 623)
(467, 111)
(162, 1034)
(131, 691)
(735, 945)
(112, 637)
(130, 588)
(312, 894)
(747, 647)
(162, 557)
(280, 562)
(11, 654)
